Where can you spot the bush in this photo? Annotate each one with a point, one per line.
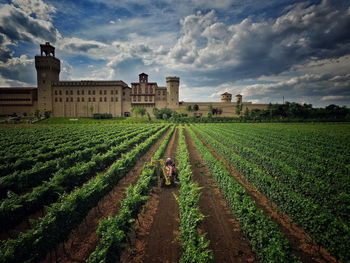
(102, 116)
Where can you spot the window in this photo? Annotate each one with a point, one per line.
(105, 99)
(71, 99)
(71, 92)
(112, 93)
(89, 92)
(66, 92)
(82, 92)
(93, 92)
(60, 92)
(135, 90)
(158, 92)
(123, 93)
(93, 99)
(116, 99)
(139, 98)
(100, 92)
(105, 92)
(78, 99)
(55, 92)
(164, 92)
(146, 89)
(116, 92)
(150, 98)
(67, 99)
(134, 98)
(111, 99)
(140, 90)
(150, 90)
(146, 98)
(60, 99)
(100, 99)
(89, 99)
(82, 99)
(55, 99)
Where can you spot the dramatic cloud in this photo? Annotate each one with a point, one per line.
(252, 49)
(18, 71)
(36, 8)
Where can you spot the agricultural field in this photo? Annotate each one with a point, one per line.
(245, 193)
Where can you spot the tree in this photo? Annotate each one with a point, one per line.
(38, 114)
(238, 108)
(195, 107)
(47, 114)
(91, 109)
(139, 111)
(189, 108)
(149, 117)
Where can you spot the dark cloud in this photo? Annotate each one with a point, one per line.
(75, 47)
(18, 26)
(251, 49)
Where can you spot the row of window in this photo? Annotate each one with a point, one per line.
(89, 92)
(82, 99)
(139, 90)
(146, 98)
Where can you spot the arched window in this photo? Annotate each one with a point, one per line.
(146, 90)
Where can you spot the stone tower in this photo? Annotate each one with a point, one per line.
(226, 97)
(239, 99)
(48, 70)
(172, 86)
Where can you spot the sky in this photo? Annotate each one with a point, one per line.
(267, 50)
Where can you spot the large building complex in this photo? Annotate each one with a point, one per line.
(83, 98)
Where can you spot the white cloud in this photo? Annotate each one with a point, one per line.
(36, 7)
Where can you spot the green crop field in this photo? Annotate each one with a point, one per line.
(89, 193)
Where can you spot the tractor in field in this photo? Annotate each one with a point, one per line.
(166, 173)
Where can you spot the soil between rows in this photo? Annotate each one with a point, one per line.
(226, 238)
(83, 239)
(301, 242)
(156, 230)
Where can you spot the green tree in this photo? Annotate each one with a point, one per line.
(189, 108)
(139, 111)
(91, 109)
(195, 107)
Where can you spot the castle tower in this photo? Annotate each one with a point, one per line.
(226, 97)
(172, 86)
(48, 70)
(143, 78)
(239, 99)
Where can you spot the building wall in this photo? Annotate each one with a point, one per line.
(85, 100)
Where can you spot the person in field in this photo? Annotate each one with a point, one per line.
(171, 169)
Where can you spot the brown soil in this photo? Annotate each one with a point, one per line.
(302, 244)
(226, 238)
(156, 231)
(83, 239)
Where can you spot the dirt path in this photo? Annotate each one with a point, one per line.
(157, 227)
(226, 238)
(83, 238)
(302, 244)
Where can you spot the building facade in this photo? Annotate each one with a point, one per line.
(84, 98)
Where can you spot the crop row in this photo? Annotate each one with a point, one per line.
(21, 181)
(325, 229)
(265, 238)
(25, 163)
(194, 245)
(14, 209)
(62, 217)
(301, 176)
(113, 231)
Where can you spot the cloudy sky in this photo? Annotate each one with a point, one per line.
(264, 50)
